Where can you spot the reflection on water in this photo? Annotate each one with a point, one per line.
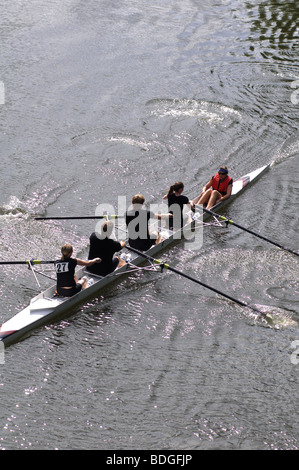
(276, 23)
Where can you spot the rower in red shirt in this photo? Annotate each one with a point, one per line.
(219, 188)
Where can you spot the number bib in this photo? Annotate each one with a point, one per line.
(62, 267)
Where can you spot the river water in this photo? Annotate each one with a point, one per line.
(102, 99)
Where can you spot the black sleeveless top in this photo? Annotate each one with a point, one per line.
(137, 223)
(65, 270)
(180, 201)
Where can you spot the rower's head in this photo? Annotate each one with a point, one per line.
(67, 250)
(107, 229)
(223, 172)
(138, 199)
(177, 187)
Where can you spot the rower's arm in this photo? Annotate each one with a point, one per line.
(90, 262)
(163, 216)
(208, 185)
(228, 194)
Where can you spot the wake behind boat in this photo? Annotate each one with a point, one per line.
(47, 306)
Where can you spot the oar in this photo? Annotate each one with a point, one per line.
(112, 216)
(166, 266)
(228, 221)
(32, 261)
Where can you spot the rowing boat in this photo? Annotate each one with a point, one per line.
(47, 307)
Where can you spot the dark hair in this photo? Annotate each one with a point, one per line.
(175, 187)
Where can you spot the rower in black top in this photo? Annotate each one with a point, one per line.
(137, 219)
(176, 202)
(67, 283)
(104, 247)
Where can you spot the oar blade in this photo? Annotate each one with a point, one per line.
(276, 317)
